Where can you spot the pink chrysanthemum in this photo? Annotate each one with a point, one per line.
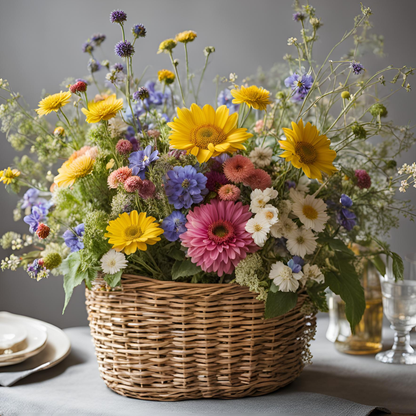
(118, 177)
(155, 134)
(363, 179)
(229, 193)
(215, 180)
(124, 147)
(147, 189)
(133, 184)
(216, 236)
(259, 179)
(238, 168)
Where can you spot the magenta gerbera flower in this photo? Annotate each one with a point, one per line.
(216, 236)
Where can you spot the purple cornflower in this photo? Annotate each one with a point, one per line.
(345, 217)
(141, 94)
(300, 84)
(98, 39)
(356, 67)
(87, 47)
(118, 67)
(290, 184)
(296, 264)
(38, 214)
(140, 160)
(225, 98)
(139, 31)
(93, 65)
(124, 49)
(73, 238)
(118, 16)
(174, 225)
(30, 198)
(298, 16)
(184, 186)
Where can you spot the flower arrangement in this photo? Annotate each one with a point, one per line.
(270, 189)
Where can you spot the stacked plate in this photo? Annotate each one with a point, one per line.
(22, 338)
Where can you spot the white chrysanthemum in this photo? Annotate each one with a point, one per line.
(285, 207)
(259, 198)
(301, 242)
(311, 212)
(303, 184)
(113, 261)
(283, 227)
(258, 228)
(312, 272)
(284, 278)
(270, 214)
(261, 156)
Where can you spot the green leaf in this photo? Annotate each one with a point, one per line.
(184, 268)
(346, 284)
(317, 294)
(176, 254)
(379, 264)
(73, 275)
(278, 303)
(398, 267)
(335, 244)
(113, 279)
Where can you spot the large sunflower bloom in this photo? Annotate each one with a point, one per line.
(253, 96)
(70, 171)
(53, 103)
(207, 133)
(103, 110)
(308, 150)
(133, 231)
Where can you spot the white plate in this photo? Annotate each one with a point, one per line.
(34, 342)
(56, 348)
(11, 335)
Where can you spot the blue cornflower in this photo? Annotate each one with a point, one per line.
(174, 225)
(98, 39)
(73, 238)
(118, 16)
(124, 49)
(139, 31)
(184, 186)
(38, 214)
(346, 217)
(140, 160)
(346, 201)
(296, 264)
(356, 67)
(30, 198)
(225, 98)
(300, 84)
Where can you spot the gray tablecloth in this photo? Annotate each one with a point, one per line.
(356, 384)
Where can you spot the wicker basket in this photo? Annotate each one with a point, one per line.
(162, 340)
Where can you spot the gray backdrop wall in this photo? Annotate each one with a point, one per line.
(40, 45)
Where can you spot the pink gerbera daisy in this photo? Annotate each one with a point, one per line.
(118, 176)
(216, 236)
(238, 168)
(259, 179)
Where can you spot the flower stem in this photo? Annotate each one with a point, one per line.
(177, 77)
(202, 77)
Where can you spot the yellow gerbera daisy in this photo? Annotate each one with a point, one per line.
(207, 133)
(308, 150)
(53, 103)
(103, 110)
(253, 96)
(8, 175)
(164, 75)
(133, 231)
(74, 169)
(167, 46)
(185, 37)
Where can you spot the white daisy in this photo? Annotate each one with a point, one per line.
(311, 211)
(113, 261)
(270, 214)
(259, 198)
(301, 242)
(295, 195)
(261, 156)
(283, 227)
(284, 278)
(258, 228)
(303, 184)
(312, 272)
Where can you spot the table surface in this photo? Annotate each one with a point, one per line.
(75, 385)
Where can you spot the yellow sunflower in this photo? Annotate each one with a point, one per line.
(207, 133)
(185, 37)
(103, 110)
(133, 231)
(253, 96)
(8, 175)
(164, 75)
(308, 150)
(53, 102)
(74, 169)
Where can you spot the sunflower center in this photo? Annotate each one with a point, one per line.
(310, 212)
(132, 232)
(306, 152)
(220, 231)
(205, 134)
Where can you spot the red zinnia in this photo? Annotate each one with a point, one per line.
(78, 87)
(259, 179)
(124, 147)
(133, 184)
(147, 189)
(238, 168)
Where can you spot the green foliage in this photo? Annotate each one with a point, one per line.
(113, 280)
(184, 268)
(73, 275)
(278, 303)
(316, 292)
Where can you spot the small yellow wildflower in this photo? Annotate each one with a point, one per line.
(8, 175)
(185, 37)
(164, 75)
(167, 46)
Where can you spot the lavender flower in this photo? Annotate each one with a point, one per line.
(346, 217)
(124, 49)
(93, 65)
(141, 94)
(98, 39)
(300, 84)
(140, 160)
(30, 198)
(73, 238)
(118, 16)
(118, 67)
(38, 215)
(139, 31)
(37, 271)
(356, 67)
(87, 47)
(298, 16)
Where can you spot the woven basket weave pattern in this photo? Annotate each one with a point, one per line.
(171, 341)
